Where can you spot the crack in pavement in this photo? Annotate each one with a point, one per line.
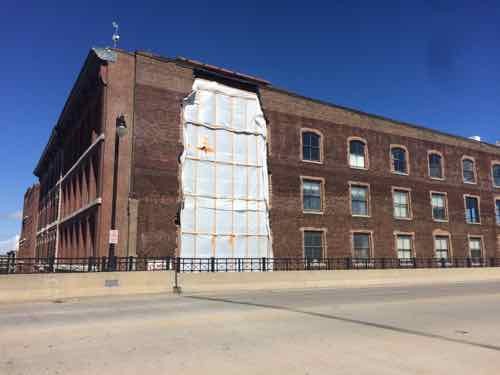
(350, 320)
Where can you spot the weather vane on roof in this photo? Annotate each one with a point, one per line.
(116, 36)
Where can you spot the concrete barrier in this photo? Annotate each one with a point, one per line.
(47, 287)
(219, 282)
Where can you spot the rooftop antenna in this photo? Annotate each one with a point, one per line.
(116, 36)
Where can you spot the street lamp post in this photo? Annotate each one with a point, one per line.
(121, 130)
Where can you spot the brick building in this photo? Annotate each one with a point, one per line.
(29, 224)
(332, 181)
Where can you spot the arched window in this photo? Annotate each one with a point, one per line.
(357, 154)
(435, 165)
(311, 146)
(399, 160)
(469, 170)
(496, 175)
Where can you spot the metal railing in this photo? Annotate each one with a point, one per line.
(11, 265)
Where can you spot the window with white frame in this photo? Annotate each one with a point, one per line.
(357, 154)
(472, 215)
(496, 175)
(361, 245)
(435, 165)
(442, 247)
(399, 160)
(311, 195)
(497, 210)
(404, 245)
(439, 209)
(469, 170)
(359, 200)
(313, 244)
(401, 201)
(311, 146)
(476, 247)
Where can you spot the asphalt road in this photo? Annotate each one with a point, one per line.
(443, 329)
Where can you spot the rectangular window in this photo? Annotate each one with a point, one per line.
(361, 245)
(359, 200)
(442, 247)
(435, 165)
(472, 210)
(469, 170)
(357, 154)
(404, 245)
(475, 247)
(313, 245)
(311, 143)
(399, 160)
(496, 175)
(438, 201)
(497, 210)
(311, 193)
(401, 200)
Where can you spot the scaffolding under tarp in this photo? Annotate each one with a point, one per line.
(225, 194)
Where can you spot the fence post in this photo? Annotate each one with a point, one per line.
(264, 268)
(9, 260)
(89, 264)
(348, 263)
(51, 264)
(130, 263)
(104, 264)
(443, 263)
(177, 265)
(212, 264)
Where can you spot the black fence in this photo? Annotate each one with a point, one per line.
(11, 265)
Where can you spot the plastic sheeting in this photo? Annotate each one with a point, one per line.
(225, 211)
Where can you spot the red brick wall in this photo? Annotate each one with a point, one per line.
(160, 88)
(27, 238)
(287, 115)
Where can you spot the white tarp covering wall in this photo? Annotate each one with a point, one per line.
(224, 174)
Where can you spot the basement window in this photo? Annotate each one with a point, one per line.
(361, 245)
(404, 246)
(313, 244)
(442, 247)
(475, 248)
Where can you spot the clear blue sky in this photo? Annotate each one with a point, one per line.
(435, 63)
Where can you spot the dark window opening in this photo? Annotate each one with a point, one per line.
(311, 146)
(399, 162)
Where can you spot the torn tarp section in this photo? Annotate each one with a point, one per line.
(225, 211)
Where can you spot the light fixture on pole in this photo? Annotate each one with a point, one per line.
(121, 131)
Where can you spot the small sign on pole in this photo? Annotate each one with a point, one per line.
(113, 236)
